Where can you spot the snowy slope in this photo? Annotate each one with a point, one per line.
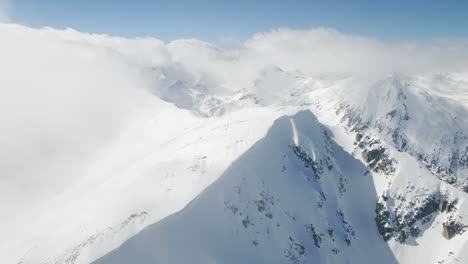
(293, 197)
(430, 127)
(74, 208)
(416, 209)
(413, 140)
(151, 171)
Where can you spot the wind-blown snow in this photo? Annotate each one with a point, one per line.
(103, 136)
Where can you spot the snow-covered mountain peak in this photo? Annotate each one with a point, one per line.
(429, 127)
(147, 152)
(279, 202)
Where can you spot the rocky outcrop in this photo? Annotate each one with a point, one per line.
(452, 227)
(463, 160)
(401, 223)
(383, 220)
(316, 166)
(390, 113)
(375, 155)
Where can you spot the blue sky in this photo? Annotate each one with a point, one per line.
(218, 21)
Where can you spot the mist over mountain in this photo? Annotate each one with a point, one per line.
(300, 146)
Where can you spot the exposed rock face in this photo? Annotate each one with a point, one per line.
(308, 161)
(383, 221)
(463, 161)
(452, 227)
(401, 223)
(359, 136)
(375, 154)
(391, 112)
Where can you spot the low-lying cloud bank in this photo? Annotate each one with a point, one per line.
(63, 93)
(326, 51)
(60, 101)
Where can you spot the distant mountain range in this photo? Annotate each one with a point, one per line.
(283, 167)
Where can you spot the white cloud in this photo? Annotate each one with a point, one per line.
(315, 52)
(61, 101)
(326, 51)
